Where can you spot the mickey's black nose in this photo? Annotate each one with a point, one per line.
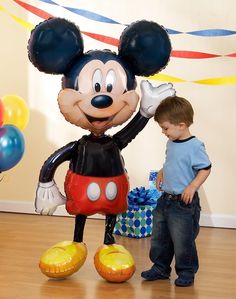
(102, 101)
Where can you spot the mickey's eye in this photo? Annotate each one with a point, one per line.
(110, 80)
(97, 80)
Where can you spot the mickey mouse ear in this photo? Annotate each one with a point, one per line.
(146, 47)
(54, 44)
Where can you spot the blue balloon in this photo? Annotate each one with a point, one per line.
(12, 146)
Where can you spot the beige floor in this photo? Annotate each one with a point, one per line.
(25, 237)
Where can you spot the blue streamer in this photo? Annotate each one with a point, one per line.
(212, 32)
(172, 31)
(86, 13)
(91, 15)
(100, 18)
(49, 1)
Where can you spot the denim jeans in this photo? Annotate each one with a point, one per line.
(175, 228)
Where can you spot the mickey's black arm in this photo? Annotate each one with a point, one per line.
(130, 131)
(58, 157)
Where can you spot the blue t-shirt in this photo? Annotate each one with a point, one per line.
(184, 158)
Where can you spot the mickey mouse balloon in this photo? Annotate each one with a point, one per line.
(98, 93)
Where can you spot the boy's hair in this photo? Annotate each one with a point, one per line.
(175, 110)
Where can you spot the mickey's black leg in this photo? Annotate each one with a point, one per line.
(79, 228)
(110, 224)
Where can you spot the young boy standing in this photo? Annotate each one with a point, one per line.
(176, 217)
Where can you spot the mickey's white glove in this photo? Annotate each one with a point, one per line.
(48, 198)
(152, 96)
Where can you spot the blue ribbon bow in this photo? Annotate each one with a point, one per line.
(140, 196)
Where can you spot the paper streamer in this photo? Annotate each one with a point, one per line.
(49, 1)
(114, 42)
(38, 12)
(231, 55)
(165, 78)
(91, 15)
(86, 13)
(102, 38)
(217, 81)
(192, 54)
(23, 23)
(209, 81)
(172, 31)
(100, 18)
(212, 32)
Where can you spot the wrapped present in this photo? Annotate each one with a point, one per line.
(152, 179)
(136, 222)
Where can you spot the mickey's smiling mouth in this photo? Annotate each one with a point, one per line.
(92, 119)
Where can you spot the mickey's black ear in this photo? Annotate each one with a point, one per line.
(146, 47)
(54, 44)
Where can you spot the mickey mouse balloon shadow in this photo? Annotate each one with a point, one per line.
(14, 116)
(98, 92)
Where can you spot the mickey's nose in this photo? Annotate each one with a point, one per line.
(102, 101)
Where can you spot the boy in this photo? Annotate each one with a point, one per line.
(176, 217)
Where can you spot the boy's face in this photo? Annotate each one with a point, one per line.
(174, 132)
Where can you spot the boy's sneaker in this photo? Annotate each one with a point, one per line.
(184, 282)
(153, 274)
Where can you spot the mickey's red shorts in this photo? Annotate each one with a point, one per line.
(108, 195)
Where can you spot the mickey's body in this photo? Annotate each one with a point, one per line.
(98, 92)
(96, 181)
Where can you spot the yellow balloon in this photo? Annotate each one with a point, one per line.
(16, 111)
(114, 263)
(63, 259)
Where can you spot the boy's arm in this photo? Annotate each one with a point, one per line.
(187, 195)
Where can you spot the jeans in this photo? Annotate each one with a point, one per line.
(175, 228)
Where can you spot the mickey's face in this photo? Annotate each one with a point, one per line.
(98, 87)
(100, 99)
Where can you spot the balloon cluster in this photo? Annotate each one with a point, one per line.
(14, 116)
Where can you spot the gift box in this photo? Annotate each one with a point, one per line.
(136, 222)
(152, 179)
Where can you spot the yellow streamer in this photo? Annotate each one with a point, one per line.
(217, 81)
(209, 81)
(165, 78)
(23, 23)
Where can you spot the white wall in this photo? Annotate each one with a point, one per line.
(214, 105)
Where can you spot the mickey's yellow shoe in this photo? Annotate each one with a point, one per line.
(114, 263)
(63, 259)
